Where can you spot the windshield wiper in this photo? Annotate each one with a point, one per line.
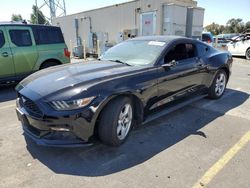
(119, 61)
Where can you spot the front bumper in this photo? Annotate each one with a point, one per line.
(61, 132)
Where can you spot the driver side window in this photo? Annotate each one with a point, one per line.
(180, 52)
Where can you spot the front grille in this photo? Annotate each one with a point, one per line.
(30, 106)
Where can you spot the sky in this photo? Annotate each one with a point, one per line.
(218, 11)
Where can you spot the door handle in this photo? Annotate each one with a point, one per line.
(5, 54)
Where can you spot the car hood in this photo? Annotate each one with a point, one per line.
(54, 79)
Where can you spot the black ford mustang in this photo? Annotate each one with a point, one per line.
(132, 83)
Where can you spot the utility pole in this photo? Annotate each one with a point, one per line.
(56, 8)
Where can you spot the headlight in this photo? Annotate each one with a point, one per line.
(71, 105)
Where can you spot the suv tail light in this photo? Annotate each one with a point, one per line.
(66, 52)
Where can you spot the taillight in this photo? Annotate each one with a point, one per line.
(209, 41)
(66, 52)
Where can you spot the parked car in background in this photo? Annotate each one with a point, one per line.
(224, 39)
(240, 46)
(207, 37)
(228, 36)
(25, 49)
(134, 82)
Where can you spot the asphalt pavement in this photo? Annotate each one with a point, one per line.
(205, 144)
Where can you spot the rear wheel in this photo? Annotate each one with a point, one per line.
(116, 121)
(218, 87)
(48, 64)
(248, 54)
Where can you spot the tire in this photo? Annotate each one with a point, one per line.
(218, 86)
(248, 54)
(49, 64)
(114, 123)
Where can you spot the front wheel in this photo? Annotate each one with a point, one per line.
(218, 86)
(116, 121)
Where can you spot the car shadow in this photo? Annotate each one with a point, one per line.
(143, 143)
(240, 57)
(7, 93)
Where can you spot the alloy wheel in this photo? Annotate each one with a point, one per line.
(124, 121)
(220, 84)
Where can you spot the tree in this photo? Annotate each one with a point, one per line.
(234, 26)
(16, 17)
(37, 17)
(215, 29)
(247, 26)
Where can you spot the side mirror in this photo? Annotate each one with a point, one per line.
(173, 63)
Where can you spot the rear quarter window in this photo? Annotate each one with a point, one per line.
(203, 49)
(48, 35)
(2, 40)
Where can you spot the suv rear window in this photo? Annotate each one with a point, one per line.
(2, 40)
(48, 35)
(20, 37)
(206, 37)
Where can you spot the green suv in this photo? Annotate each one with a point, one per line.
(25, 49)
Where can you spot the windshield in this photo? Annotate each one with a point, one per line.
(135, 53)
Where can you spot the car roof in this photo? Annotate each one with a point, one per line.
(160, 38)
(207, 33)
(24, 25)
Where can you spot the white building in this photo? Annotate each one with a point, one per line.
(115, 23)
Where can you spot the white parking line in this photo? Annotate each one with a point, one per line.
(7, 106)
(222, 162)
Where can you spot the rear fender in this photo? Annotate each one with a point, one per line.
(217, 62)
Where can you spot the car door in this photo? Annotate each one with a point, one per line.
(181, 72)
(236, 46)
(23, 48)
(239, 46)
(6, 61)
(245, 44)
(232, 47)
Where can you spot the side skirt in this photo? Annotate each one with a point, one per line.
(172, 108)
